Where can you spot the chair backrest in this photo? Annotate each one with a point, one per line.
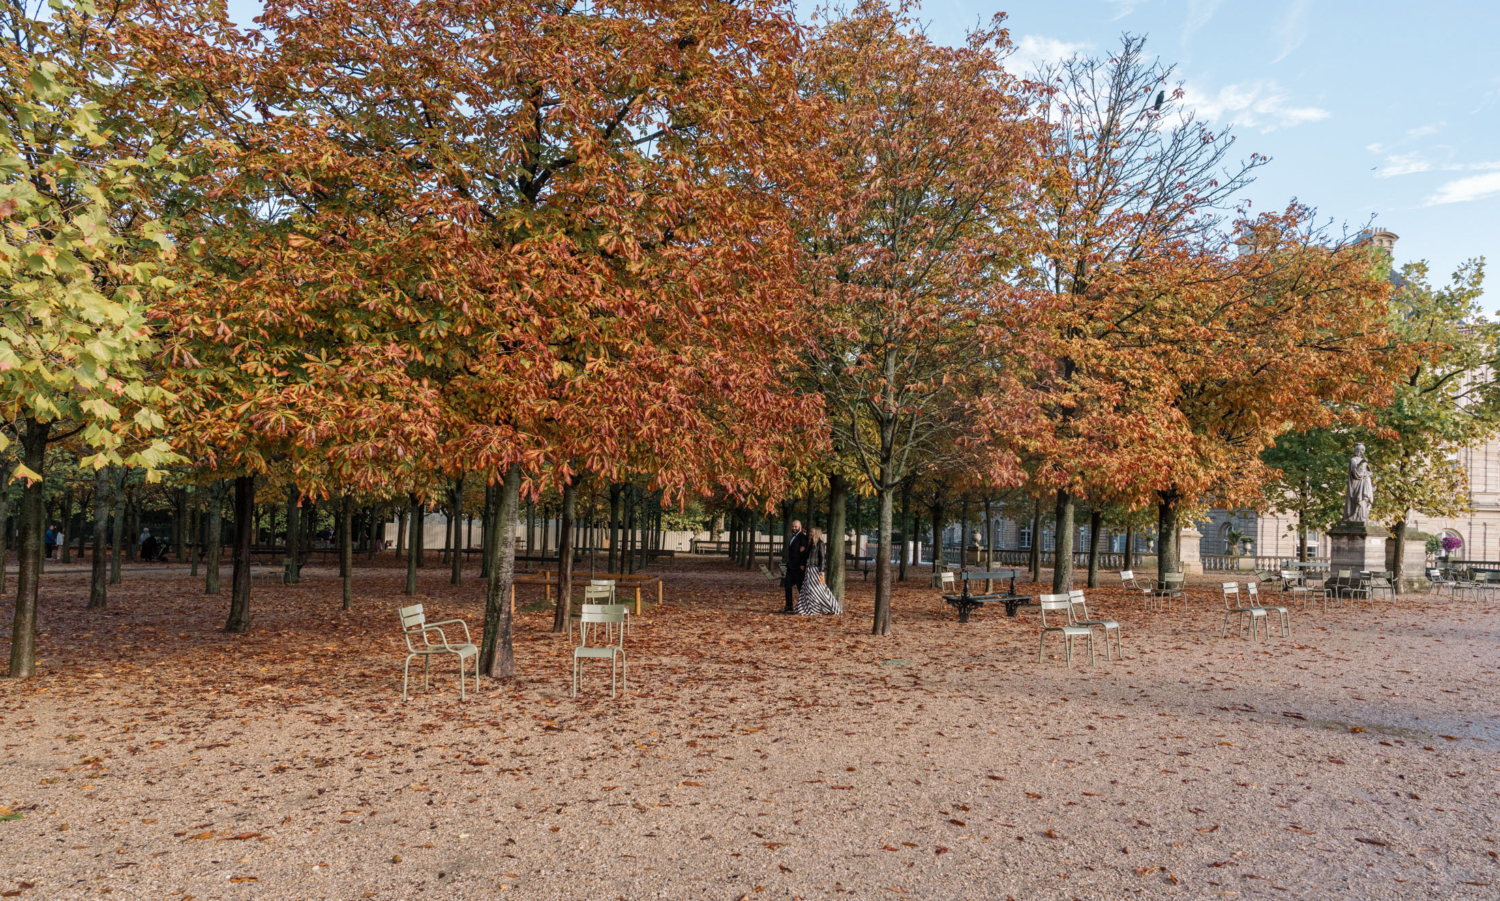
(1231, 595)
(1346, 574)
(595, 593)
(411, 617)
(1253, 593)
(610, 583)
(1127, 575)
(1288, 575)
(603, 613)
(1078, 608)
(947, 579)
(1058, 603)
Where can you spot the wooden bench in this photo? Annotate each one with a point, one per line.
(623, 582)
(968, 601)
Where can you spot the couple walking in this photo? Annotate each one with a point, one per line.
(806, 559)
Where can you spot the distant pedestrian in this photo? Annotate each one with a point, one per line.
(50, 540)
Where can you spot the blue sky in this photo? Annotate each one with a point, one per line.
(1381, 108)
(1390, 109)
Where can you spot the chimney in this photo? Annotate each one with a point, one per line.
(1385, 239)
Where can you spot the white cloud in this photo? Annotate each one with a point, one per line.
(1422, 131)
(1475, 187)
(1199, 14)
(1126, 6)
(1293, 29)
(1403, 164)
(1254, 104)
(1033, 51)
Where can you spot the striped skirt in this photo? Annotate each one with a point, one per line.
(815, 599)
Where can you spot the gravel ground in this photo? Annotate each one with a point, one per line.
(755, 756)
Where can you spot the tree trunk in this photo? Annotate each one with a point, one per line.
(215, 537)
(293, 573)
(565, 557)
(838, 501)
(195, 524)
(419, 534)
(1062, 545)
(963, 534)
(346, 550)
(1302, 537)
(117, 527)
(99, 565)
(401, 517)
(939, 558)
(908, 545)
(1096, 521)
(244, 534)
(28, 581)
(628, 563)
(413, 546)
(487, 530)
(1036, 540)
(885, 501)
(614, 528)
(5, 470)
(1398, 533)
(455, 516)
(181, 527)
(531, 528)
(66, 524)
(1166, 533)
(497, 651)
(1130, 547)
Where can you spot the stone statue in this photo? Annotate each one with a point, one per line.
(1361, 492)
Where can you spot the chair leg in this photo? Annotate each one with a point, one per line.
(1039, 643)
(426, 669)
(463, 686)
(405, 672)
(1091, 649)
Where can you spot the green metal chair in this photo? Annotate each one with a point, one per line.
(1282, 613)
(1129, 583)
(414, 625)
(1061, 606)
(1169, 586)
(1078, 615)
(608, 615)
(592, 595)
(1232, 607)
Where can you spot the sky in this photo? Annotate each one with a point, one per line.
(1376, 108)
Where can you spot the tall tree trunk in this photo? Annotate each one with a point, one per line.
(117, 525)
(488, 528)
(1167, 532)
(401, 518)
(1062, 555)
(614, 527)
(565, 557)
(215, 536)
(1130, 547)
(244, 535)
(195, 524)
(5, 470)
(939, 558)
(293, 573)
(1096, 522)
(497, 650)
(908, 542)
(99, 565)
(65, 522)
(180, 526)
(963, 534)
(989, 538)
(456, 517)
(1036, 539)
(885, 501)
(838, 501)
(414, 546)
(346, 549)
(1302, 536)
(28, 581)
(531, 528)
(1398, 534)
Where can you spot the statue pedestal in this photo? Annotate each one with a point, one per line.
(1357, 546)
(1189, 551)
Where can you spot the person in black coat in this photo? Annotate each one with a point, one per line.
(794, 557)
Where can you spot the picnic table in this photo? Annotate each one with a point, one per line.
(967, 601)
(623, 582)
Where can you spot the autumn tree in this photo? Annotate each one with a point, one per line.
(928, 149)
(1447, 397)
(76, 263)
